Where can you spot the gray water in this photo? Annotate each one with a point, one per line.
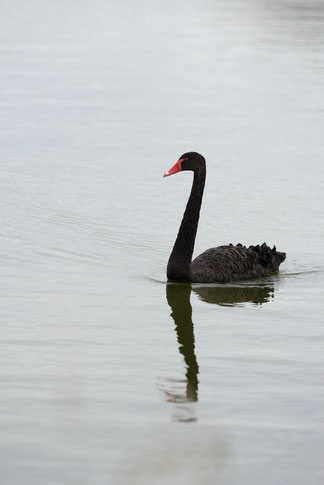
(108, 374)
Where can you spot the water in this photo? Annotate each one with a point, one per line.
(108, 374)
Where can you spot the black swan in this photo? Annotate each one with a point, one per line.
(221, 264)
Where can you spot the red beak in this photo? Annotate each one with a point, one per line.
(176, 168)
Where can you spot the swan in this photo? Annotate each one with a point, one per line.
(223, 263)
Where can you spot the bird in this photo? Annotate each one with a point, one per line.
(221, 264)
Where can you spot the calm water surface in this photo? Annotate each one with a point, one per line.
(109, 375)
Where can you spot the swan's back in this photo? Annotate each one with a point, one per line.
(233, 263)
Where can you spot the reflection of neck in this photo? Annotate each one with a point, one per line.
(180, 259)
(178, 297)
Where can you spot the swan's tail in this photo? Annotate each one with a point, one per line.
(269, 258)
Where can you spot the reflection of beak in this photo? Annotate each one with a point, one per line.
(176, 168)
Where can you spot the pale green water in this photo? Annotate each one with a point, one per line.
(108, 375)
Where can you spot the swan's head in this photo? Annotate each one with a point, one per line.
(188, 161)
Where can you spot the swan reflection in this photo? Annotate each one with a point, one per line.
(227, 295)
(184, 392)
(178, 297)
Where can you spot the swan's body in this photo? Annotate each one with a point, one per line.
(223, 263)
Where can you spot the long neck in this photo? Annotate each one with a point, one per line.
(180, 259)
